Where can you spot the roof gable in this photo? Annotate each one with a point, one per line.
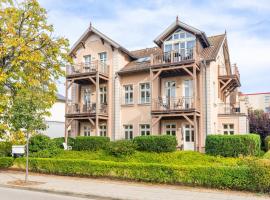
(176, 25)
(91, 30)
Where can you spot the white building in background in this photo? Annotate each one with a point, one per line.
(56, 122)
(257, 101)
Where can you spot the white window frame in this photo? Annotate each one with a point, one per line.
(145, 91)
(86, 131)
(128, 131)
(103, 130)
(190, 129)
(87, 59)
(145, 129)
(228, 130)
(103, 94)
(128, 94)
(170, 129)
(103, 57)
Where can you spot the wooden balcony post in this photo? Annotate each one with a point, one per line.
(152, 59)
(97, 103)
(194, 87)
(66, 94)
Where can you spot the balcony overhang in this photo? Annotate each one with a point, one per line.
(228, 83)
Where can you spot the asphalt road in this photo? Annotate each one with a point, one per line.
(17, 194)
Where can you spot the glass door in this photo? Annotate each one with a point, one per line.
(188, 93)
(189, 137)
(170, 92)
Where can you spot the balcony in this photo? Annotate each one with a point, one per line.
(228, 109)
(173, 57)
(87, 68)
(85, 109)
(172, 104)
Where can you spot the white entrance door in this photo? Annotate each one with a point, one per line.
(189, 137)
(188, 93)
(170, 91)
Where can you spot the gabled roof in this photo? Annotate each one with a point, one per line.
(87, 33)
(178, 24)
(208, 53)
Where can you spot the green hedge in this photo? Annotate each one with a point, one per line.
(5, 149)
(233, 145)
(91, 143)
(121, 148)
(156, 143)
(253, 177)
(267, 143)
(6, 162)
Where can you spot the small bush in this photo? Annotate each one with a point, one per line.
(267, 143)
(6, 162)
(121, 148)
(59, 142)
(233, 145)
(91, 143)
(39, 142)
(156, 143)
(267, 155)
(5, 149)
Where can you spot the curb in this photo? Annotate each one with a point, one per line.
(64, 193)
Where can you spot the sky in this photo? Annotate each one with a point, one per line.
(136, 23)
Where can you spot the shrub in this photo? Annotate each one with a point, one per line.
(121, 148)
(267, 143)
(5, 149)
(254, 176)
(91, 143)
(6, 162)
(39, 142)
(47, 153)
(233, 145)
(267, 155)
(156, 143)
(59, 141)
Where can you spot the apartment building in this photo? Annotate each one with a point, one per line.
(184, 86)
(256, 101)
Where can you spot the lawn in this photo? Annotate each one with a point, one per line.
(172, 158)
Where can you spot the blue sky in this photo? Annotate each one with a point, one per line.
(135, 23)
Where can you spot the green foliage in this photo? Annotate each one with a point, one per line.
(156, 143)
(121, 148)
(46, 153)
(5, 149)
(233, 145)
(40, 142)
(91, 143)
(6, 162)
(59, 141)
(267, 155)
(267, 143)
(254, 176)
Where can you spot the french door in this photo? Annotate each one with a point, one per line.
(188, 93)
(170, 92)
(189, 137)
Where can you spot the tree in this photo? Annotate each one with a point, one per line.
(259, 122)
(31, 58)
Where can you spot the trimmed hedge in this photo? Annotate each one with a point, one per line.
(91, 143)
(121, 148)
(156, 143)
(6, 162)
(253, 176)
(59, 141)
(5, 149)
(267, 143)
(39, 142)
(233, 145)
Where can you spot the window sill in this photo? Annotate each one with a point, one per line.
(144, 104)
(127, 105)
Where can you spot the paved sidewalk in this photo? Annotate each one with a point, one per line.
(109, 189)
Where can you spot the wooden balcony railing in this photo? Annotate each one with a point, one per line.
(172, 56)
(226, 108)
(93, 66)
(75, 108)
(172, 103)
(222, 71)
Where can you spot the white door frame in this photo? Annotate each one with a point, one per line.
(189, 145)
(188, 99)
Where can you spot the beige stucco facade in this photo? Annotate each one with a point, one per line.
(187, 95)
(256, 101)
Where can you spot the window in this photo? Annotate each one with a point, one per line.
(87, 59)
(103, 57)
(103, 130)
(145, 129)
(103, 94)
(228, 129)
(86, 130)
(128, 129)
(189, 133)
(145, 93)
(86, 96)
(128, 94)
(170, 129)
